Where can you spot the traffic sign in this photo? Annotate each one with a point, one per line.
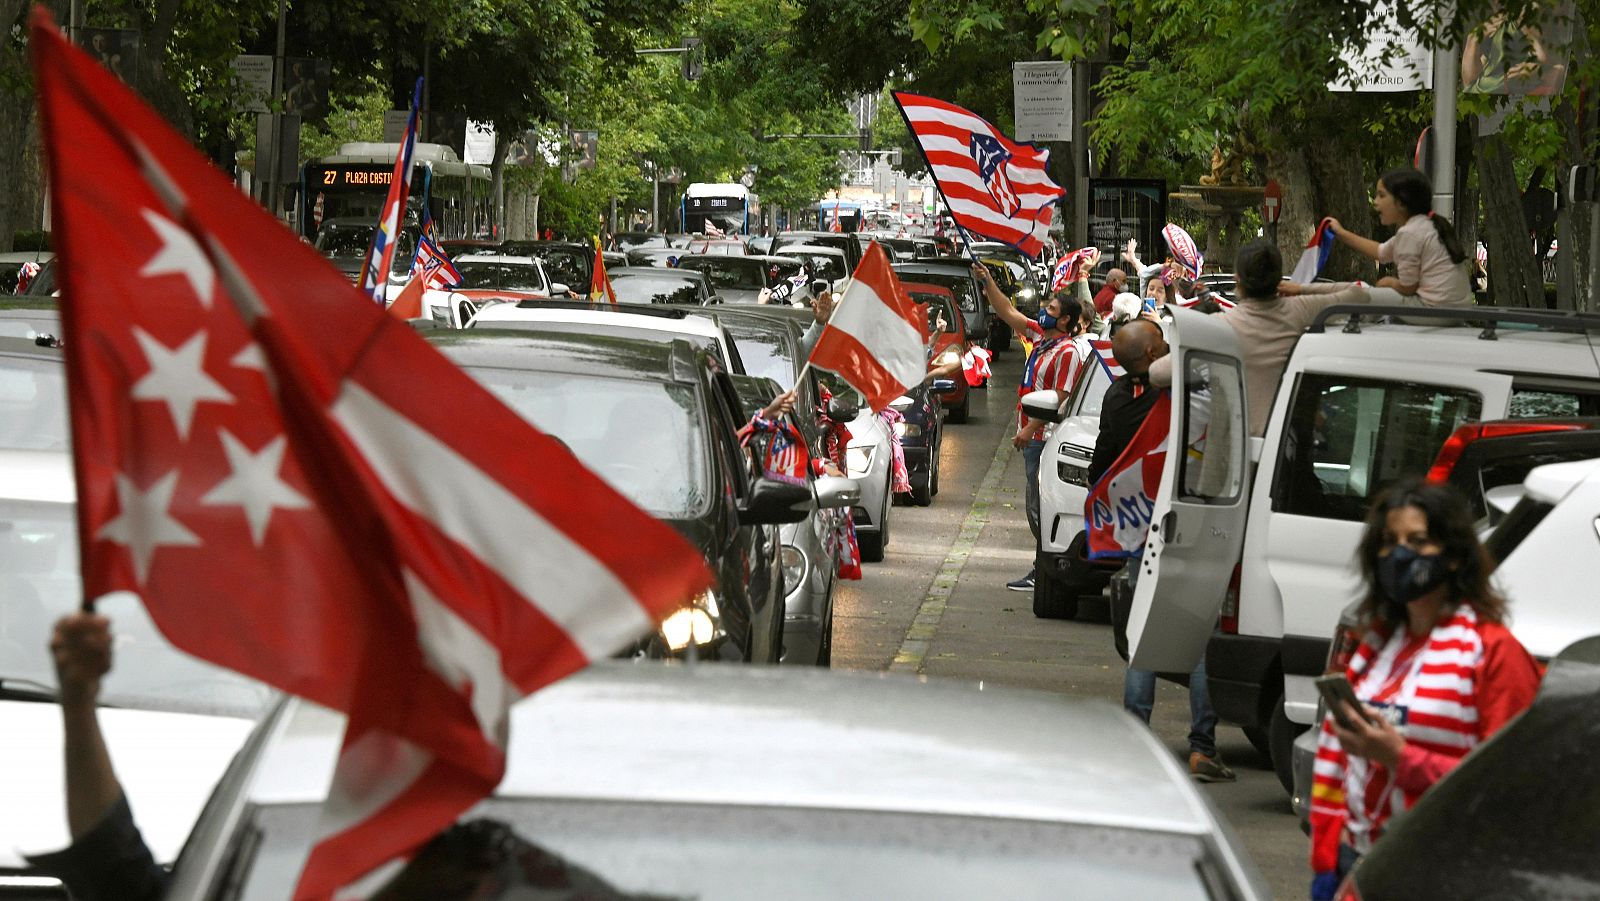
(1272, 202)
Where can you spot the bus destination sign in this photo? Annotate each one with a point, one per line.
(351, 177)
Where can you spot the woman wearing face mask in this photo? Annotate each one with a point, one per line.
(1437, 673)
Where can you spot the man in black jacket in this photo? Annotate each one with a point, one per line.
(1128, 401)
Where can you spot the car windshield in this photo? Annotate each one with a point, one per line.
(728, 272)
(567, 266)
(618, 849)
(647, 289)
(39, 582)
(764, 352)
(344, 239)
(628, 431)
(822, 265)
(33, 404)
(941, 316)
(960, 287)
(499, 275)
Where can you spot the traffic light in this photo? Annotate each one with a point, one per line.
(866, 139)
(693, 63)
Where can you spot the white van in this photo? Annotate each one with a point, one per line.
(1358, 407)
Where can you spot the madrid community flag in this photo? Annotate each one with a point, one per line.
(1118, 511)
(380, 254)
(995, 186)
(877, 337)
(600, 282)
(300, 488)
(1316, 254)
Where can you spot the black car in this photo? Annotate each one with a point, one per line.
(655, 257)
(657, 421)
(957, 276)
(567, 262)
(626, 241)
(651, 285)
(839, 240)
(921, 437)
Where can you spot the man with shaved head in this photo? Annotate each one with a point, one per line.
(1138, 345)
(1116, 282)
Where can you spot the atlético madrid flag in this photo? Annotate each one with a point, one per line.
(1118, 511)
(298, 487)
(996, 187)
(877, 337)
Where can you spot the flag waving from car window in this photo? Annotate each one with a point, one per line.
(301, 489)
(1119, 507)
(877, 337)
(995, 186)
(375, 269)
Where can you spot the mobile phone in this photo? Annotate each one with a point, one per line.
(819, 285)
(1334, 687)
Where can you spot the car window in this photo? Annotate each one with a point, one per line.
(1090, 392)
(616, 849)
(1347, 438)
(643, 289)
(499, 276)
(566, 266)
(728, 272)
(627, 431)
(1211, 469)
(764, 353)
(33, 405)
(1533, 403)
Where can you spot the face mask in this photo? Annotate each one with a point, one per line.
(1406, 575)
(1045, 320)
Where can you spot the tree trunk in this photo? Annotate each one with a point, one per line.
(1328, 183)
(19, 175)
(1514, 278)
(1575, 269)
(497, 183)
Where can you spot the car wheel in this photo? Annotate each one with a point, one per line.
(1260, 739)
(825, 644)
(1281, 734)
(922, 489)
(933, 474)
(871, 546)
(959, 414)
(1052, 598)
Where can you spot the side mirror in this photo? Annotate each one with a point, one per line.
(940, 386)
(834, 492)
(843, 409)
(772, 502)
(1043, 405)
(559, 289)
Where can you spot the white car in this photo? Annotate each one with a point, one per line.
(706, 782)
(172, 723)
(1358, 407)
(651, 323)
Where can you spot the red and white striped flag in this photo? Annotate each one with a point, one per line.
(300, 488)
(995, 186)
(1120, 505)
(877, 337)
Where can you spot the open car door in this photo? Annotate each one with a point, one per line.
(1197, 526)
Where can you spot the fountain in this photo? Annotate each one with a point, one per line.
(1221, 198)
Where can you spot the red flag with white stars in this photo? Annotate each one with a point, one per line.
(279, 469)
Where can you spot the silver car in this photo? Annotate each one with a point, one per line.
(710, 782)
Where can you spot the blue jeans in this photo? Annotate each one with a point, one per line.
(1139, 699)
(1030, 467)
(1139, 693)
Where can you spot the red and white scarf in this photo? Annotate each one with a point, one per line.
(1432, 681)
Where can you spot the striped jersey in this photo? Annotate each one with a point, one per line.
(1446, 691)
(1052, 364)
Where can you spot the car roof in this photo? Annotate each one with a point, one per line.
(626, 318)
(621, 731)
(1514, 351)
(923, 267)
(607, 356)
(683, 275)
(495, 258)
(1554, 481)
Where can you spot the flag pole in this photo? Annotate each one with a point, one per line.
(936, 186)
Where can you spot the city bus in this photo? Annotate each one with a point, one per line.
(354, 183)
(727, 205)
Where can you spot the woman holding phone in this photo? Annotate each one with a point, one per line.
(1437, 673)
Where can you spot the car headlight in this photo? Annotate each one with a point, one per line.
(907, 430)
(948, 357)
(793, 561)
(698, 624)
(858, 460)
(1026, 293)
(1073, 474)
